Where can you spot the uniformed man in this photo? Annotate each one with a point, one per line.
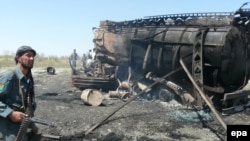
(15, 86)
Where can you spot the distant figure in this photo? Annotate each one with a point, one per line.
(73, 58)
(84, 60)
(90, 58)
(90, 54)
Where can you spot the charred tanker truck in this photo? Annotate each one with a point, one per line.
(214, 47)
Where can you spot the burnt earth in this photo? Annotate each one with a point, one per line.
(140, 120)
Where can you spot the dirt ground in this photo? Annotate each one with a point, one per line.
(140, 120)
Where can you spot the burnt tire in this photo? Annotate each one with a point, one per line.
(51, 70)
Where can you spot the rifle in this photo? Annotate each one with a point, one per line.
(41, 121)
(28, 111)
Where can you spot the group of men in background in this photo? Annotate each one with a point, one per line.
(87, 59)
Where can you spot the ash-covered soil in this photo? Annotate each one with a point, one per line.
(140, 120)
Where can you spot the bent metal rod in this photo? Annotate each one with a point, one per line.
(203, 95)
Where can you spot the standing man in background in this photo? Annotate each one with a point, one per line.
(73, 58)
(90, 54)
(84, 60)
(17, 97)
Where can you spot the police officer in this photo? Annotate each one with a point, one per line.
(14, 84)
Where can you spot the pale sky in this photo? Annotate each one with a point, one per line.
(56, 27)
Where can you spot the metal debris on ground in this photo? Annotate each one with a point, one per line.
(190, 115)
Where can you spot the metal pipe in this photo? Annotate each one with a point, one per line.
(159, 58)
(203, 95)
(145, 61)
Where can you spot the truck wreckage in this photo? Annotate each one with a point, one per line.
(205, 56)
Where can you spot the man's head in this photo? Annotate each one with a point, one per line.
(25, 56)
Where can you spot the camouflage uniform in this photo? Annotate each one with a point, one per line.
(13, 96)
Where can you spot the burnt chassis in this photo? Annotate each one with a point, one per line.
(93, 78)
(215, 47)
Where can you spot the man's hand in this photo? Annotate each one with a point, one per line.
(16, 116)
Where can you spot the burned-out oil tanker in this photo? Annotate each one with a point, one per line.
(214, 47)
